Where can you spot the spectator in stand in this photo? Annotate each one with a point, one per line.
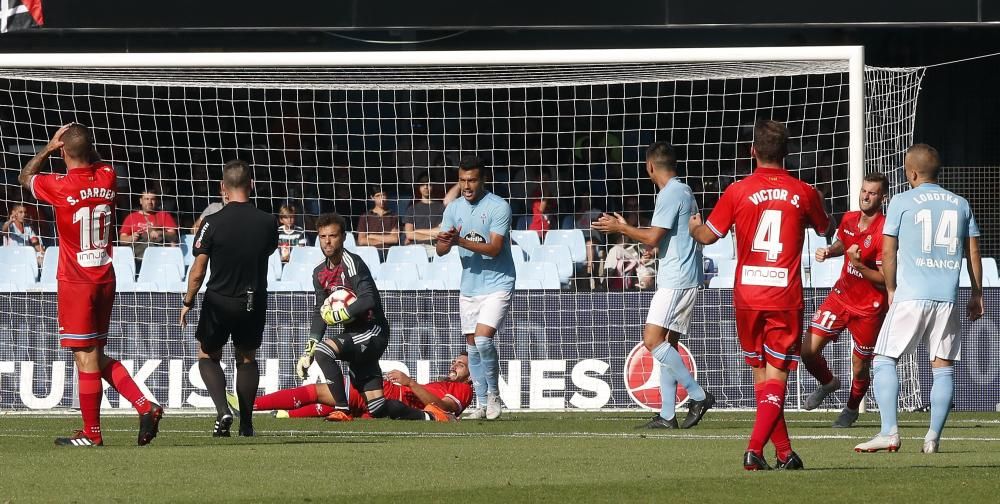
(585, 214)
(18, 232)
(148, 227)
(379, 227)
(422, 223)
(621, 264)
(289, 235)
(209, 210)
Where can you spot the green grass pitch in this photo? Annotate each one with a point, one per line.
(536, 457)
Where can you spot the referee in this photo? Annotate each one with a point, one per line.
(237, 240)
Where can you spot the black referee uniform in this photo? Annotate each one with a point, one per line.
(238, 240)
(365, 338)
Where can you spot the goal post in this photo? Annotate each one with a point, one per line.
(323, 129)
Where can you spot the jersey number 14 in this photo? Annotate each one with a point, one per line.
(946, 236)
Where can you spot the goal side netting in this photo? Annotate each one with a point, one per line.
(324, 132)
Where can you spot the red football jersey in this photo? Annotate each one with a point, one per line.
(857, 294)
(84, 202)
(459, 392)
(770, 209)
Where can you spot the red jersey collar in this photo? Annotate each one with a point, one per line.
(770, 170)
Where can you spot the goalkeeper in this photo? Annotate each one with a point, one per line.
(366, 329)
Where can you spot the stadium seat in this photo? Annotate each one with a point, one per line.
(528, 241)
(451, 256)
(124, 254)
(160, 274)
(187, 248)
(721, 250)
(415, 254)
(274, 267)
(310, 256)
(154, 257)
(6, 286)
(721, 282)
(187, 278)
(824, 274)
(813, 241)
(401, 273)
(124, 271)
(385, 284)
(448, 272)
(50, 265)
(283, 286)
(20, 255)
(991, 278)
(544, 272)
(137, 287)
(20, 274)
(371, 258)
(573, 240)
(421, 284)
(558, 255)
(527, 283)
(298, 272)
(726, 269)
(518, 254)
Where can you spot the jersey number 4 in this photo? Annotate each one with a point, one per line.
(767, 238)
(947, 230)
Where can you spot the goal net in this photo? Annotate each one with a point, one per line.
(326, 131)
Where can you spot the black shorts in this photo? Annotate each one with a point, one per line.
(224, 317)
(361, 350)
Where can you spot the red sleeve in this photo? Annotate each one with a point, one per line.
(817, 215)
(461, 392)
(166, 220)
(129, 226)
(43, 187)
(722, 217)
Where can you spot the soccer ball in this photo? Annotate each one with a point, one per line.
(339, 298)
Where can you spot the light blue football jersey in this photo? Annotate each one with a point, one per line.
(932, 225)
(482, 274)
(680, 263)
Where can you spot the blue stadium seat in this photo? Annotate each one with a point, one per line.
(401, 273)
(300, 272)
(187, 246)
(50, 265)
(721, 282)
(415, 254)
(720, 250)
(154, 257)
(310, 256)
(813, 242)
(824, 274)
(20, 255)
(991, 278)
(274, 267)
(573, 240)
(558, 255)
(6, 286)
(448, 272)
(527, 283)
(137, 287)
(518, 254)
(124, 254)
(421, 284)
(544, 272)
(726, 268)
(528, 241)
(20, 274)
(371, 258)
(160, 274)
(283, 286)
(385, 284)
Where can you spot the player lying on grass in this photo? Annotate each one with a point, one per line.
(441, 400)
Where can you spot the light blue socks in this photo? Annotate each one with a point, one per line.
(942, 392)
(476, 372)
(886, 386)
(668, 393)
(490, 363)
(667, 355)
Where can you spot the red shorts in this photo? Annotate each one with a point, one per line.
(833, 317)
(84, 313)
(774, 337)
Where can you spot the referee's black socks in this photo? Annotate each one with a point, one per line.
(247, 381)
(215, 382)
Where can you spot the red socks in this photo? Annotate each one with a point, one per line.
(90, 404)
(770, 412)
(859, 388)
(312, 410)
(288, 399)
(117, 376)
(818, 367)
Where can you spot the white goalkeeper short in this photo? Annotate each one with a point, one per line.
(672, 308)
(487, 309)
(909, 323)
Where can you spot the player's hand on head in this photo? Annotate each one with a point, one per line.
(56, 143)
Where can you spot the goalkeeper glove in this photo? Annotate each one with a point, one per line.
(306, 359)
(338, 316)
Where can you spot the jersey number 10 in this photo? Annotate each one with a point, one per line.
(95, 226)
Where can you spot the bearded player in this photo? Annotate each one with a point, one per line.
(857, 302)
(441, 400)
(365, 334)
(770, 210)
(84, 202)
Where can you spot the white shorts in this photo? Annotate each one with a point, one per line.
(671, 309)
(908, 323)
(487, 309)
